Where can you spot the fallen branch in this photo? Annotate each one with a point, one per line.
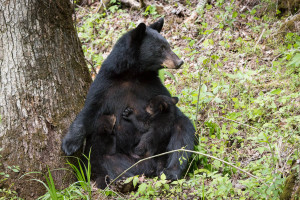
(133, 4)
(129, 3)
(102, 6)
(199, 10)
(259, 38)
(291, 24)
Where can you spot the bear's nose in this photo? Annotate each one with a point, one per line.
(179, 64)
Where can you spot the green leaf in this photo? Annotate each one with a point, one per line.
(135, 181)
(15, 170)
(158, 184)
(204, 88)
(170, 75)
(253, 12)
(278, 12)
(295, 61)
(128, 180)
(234, 14)
(261, 149)
(208, 42)
(166, 186)
(276, 91)
(109, 193)
(142, 188)
(208, 6)
(163, 176)
(161, 75)
(218, 100)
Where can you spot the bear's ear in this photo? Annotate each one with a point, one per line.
(138, 33)
(175, 100)
(163, 106)
(157, 25)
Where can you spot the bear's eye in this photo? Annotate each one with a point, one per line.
(163, 48)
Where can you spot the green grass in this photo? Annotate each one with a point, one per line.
(239, 84)
(82, 189)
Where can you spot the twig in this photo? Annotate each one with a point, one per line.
(276, 58)
(184, 150)
(199, 91)
(93, 68)
(101, 3)
(131, 3)
(189, 167)
(278, 148)
(287, 159)
(259, 38)
(239, 123)
(98, 7)
(276, 7)
(199, 10)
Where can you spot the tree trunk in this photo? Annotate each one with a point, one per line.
(43, 83)
(291, 189)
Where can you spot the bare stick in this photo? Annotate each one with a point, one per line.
(189, 167)
(184, 150)
(259, 38)
(199, 92)
(199, 9)
(131, 3)
(92, 66)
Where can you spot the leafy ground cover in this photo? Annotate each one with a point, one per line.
(239, 84)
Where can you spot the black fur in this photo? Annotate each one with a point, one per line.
(156, 124)
(129, 78)
(105, 162)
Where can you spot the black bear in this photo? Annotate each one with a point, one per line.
(158, 120)
(129, 78)
(105, 162)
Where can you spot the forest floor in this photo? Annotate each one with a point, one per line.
(239, 84)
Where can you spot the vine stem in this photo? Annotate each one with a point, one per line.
(199, 92)
(190, 151)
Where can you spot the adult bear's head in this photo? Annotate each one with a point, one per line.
(142, 49)
(155, 50)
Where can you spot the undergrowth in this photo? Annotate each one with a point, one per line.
(82, 189)
(240, 86)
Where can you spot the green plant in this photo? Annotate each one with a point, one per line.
(153, 187)
(52, 192)
(83, 174)
(151, 10)
(162, 73)
(7, 192)
(244, 100)
(81, 189)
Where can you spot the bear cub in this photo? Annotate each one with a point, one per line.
(104, 134)
(157, 121)
(106, 163)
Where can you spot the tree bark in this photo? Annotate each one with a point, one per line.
(291, 189)
(43, 83)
